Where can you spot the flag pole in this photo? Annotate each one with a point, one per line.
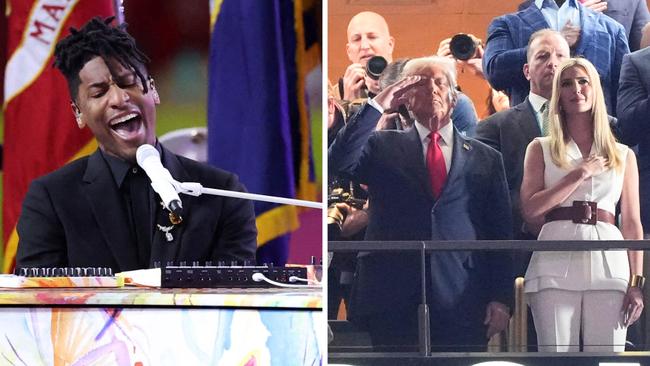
(119, 10)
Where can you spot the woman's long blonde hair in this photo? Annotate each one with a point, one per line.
(604, 140)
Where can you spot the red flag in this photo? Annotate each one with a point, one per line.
(40, 131)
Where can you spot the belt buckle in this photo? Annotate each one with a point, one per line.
(586, 212)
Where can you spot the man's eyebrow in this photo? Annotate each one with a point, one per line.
(99, 84)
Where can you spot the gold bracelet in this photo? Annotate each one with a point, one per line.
(637, 281)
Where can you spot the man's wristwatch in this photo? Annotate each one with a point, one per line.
(637, 281)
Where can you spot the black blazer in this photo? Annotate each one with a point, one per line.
(75, 216)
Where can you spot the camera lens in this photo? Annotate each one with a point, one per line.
(375, 67)
(462, 46)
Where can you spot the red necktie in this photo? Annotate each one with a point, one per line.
(436, 164)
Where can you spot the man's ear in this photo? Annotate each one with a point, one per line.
(527, 71)
(152, 86)
(348, 51)
(78, 116)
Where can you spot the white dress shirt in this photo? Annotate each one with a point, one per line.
(446, 141)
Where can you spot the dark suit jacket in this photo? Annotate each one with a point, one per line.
(474, 204)
(510, 132)
(634, 119)
(75, 216)
(602, 41)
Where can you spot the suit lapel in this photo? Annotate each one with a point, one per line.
(415, 164)
(460, 151)
(534, 18)
(527, 120)
(107, 205)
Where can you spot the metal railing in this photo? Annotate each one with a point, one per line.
(518, 332)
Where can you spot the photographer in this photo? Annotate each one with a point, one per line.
(467, 52)
(368, 36)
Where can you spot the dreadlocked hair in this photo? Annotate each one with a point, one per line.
(97, 38)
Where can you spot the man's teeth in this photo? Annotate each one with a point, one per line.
(125, 118)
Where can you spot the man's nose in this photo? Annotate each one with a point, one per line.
(433, 87)
(117, 96)
(365, 43)
(554, 60)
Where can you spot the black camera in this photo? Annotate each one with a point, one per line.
(375, 66)
(462, 46)
(335, 216)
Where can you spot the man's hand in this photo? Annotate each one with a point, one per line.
(443, 48)
(474, 64)
(571, 33)
(332, 107)
(353, 81)
(356, 220)
(598, 6)
(632, 306)
(398, 93)
(386, 121)
(497, 316)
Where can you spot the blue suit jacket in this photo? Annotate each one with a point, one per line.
(474, 204)
(632, 14)
(634, 119)
(602, 41)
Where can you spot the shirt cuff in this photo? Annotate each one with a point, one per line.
(375, 105)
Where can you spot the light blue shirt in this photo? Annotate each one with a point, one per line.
(558, 17)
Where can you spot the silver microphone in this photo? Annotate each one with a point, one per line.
(162, 181)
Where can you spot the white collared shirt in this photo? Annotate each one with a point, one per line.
(537, 102)
(446, 141)
(558, 17)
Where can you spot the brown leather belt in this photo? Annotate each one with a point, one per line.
(582, 212)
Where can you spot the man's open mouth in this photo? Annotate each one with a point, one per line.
(127, 126)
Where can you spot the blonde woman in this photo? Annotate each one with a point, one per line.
(572, 181)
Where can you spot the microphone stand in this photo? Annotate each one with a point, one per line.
(196, 189)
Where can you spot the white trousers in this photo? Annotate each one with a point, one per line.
(560, 314)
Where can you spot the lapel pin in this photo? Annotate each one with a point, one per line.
(167, 230)
(466, 146)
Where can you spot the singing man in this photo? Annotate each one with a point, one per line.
(100, 210)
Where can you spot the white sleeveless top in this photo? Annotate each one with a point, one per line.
(581, 270)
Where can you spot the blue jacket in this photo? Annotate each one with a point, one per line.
(602, 41)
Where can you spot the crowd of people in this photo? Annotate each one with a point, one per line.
(553, 158)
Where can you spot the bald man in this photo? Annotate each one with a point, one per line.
(368, 36)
